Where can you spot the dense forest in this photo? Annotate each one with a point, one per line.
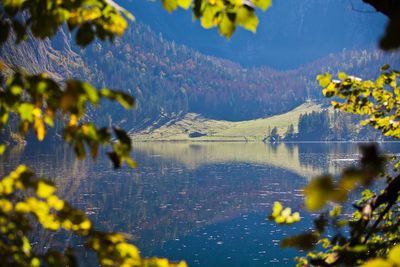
(170, 80)
(327, 125)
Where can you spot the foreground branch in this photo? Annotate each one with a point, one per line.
(389, 197)
(389, 8)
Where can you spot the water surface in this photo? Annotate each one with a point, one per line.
(206, 203)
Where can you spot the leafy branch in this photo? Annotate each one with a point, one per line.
(375, 224)
(38, 100)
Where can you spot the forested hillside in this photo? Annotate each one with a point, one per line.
(170, 80)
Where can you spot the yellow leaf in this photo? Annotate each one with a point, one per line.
(35, 262)
(286, 212)
(181, 264)
(247, 19)
(39, 128)
(131, 162)
(126, 249)
(7, 185)
(73, 120)
(91, 14)
(37, 112)
(22, 207)
(209, 19)
(342, 76)
(296, 216)
(377, 263)
(263, 4)
(394, 255)
(276, 210)
(48, 120)
(226, 26)
(44, 190)
(184, 3)
(85, 225)
(170, 5)
(55, 202)
(5, 205)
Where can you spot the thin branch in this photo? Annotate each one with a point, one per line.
(389, 196)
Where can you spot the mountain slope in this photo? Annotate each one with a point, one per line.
(290, 34)
(203, 129)
(171, 80)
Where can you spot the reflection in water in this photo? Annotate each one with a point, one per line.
(206, 203)
(305, 159)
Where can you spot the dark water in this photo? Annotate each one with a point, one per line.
(204, 203)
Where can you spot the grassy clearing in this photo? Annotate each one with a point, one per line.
(218, 130)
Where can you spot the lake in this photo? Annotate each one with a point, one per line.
(205, 203)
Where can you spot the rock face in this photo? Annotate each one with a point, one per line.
(54, 57)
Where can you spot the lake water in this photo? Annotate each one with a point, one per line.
(205, 203)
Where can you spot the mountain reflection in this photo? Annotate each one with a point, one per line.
(292, 157)
(179, 189)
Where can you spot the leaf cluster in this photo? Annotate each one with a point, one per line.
(378, 100)
(38, 101)
(91, 18)
(225, 14)
(375, 225)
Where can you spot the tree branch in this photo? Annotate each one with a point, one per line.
(389, 196)
(389, 8)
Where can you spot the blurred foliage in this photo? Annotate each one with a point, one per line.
(91, 18)
(104, 19)
(370, 235)
(38, 100)
(224, 14)
(283, 216)
(36, 200)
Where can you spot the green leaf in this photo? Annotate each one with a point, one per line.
(385, 67)
(131, 163)
(124, 99)
(115, 159)
(3, 117)
(85, 35)
(263, 4)
(79, 149)
(48, 120)
(318, 192)
(184, 3)
(25, 111)
(342, 76)
(305, 241)
(103, 135)
(246, 18)
(4, 31)
(336, 211)
(2, 149)
(122, 136)
(94, 150)
(20, 31)
(320, 223)
(91, 92)
(209, 17)
(226, 26)
(170, 5)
